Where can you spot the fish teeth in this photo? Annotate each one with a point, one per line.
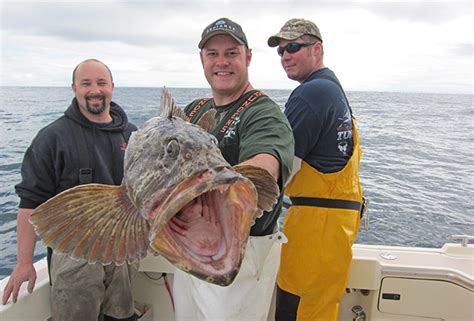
(222, 189)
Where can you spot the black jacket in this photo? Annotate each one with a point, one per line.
(52, 162)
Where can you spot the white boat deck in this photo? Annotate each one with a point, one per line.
(451, 263)
(388, 283)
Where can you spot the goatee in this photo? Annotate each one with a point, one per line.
(96, 108)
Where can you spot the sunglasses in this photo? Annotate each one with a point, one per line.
(293, 47)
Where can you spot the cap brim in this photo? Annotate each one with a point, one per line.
(215, 33)
(274, 41)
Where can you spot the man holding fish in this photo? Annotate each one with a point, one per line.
(251, 130)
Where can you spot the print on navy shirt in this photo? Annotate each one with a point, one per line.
(344, 132)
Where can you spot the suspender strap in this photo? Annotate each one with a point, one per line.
(230, 117)
(85, 169)
(49, 255)
(196, 108)
(326, 202)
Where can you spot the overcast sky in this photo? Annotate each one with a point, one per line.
(407, 46)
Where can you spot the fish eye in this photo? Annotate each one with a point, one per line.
(172, 148)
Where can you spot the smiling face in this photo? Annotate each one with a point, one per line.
(299, 65)
(225, 63)
(93, 88)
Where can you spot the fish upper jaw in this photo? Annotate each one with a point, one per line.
(169, 203)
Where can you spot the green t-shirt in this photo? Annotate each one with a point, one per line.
(260, 128)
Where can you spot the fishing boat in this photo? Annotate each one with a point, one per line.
(386, 283)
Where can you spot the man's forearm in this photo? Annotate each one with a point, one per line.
(26, 237)
(267, 162)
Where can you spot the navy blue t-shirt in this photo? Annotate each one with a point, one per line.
(321, 122)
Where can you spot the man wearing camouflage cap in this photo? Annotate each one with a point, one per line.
(323, 220)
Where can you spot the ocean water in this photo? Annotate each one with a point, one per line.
(417, 167)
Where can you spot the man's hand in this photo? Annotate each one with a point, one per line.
(21, 273)
(24, 269)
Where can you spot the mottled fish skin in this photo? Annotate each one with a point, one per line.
(169, 164)
(161, 154)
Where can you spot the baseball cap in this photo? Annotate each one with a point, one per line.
(223, 26)
(293, 29)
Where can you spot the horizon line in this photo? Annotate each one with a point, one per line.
(283, 89)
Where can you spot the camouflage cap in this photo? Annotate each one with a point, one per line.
(293, 29)
(223, 26)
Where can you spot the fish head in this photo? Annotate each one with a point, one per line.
(175, 172)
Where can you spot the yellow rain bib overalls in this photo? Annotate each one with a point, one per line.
(316, 260)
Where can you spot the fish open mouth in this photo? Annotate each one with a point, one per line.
(203, 225)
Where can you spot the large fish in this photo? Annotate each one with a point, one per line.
(169, 165)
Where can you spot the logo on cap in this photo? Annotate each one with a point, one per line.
(219, 25)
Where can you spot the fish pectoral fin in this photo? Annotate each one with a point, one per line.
(95, 222)
(267, 187)
(208, 120)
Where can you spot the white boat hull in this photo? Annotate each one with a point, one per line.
(388, 283)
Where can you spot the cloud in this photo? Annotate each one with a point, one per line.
(371, 45)
(136, 25)
(433, 12)
(148, 23)
(463, 49)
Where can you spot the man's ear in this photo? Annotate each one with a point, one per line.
(249, 56)
(318, 46)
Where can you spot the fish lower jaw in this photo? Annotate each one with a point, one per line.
(203, 226)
